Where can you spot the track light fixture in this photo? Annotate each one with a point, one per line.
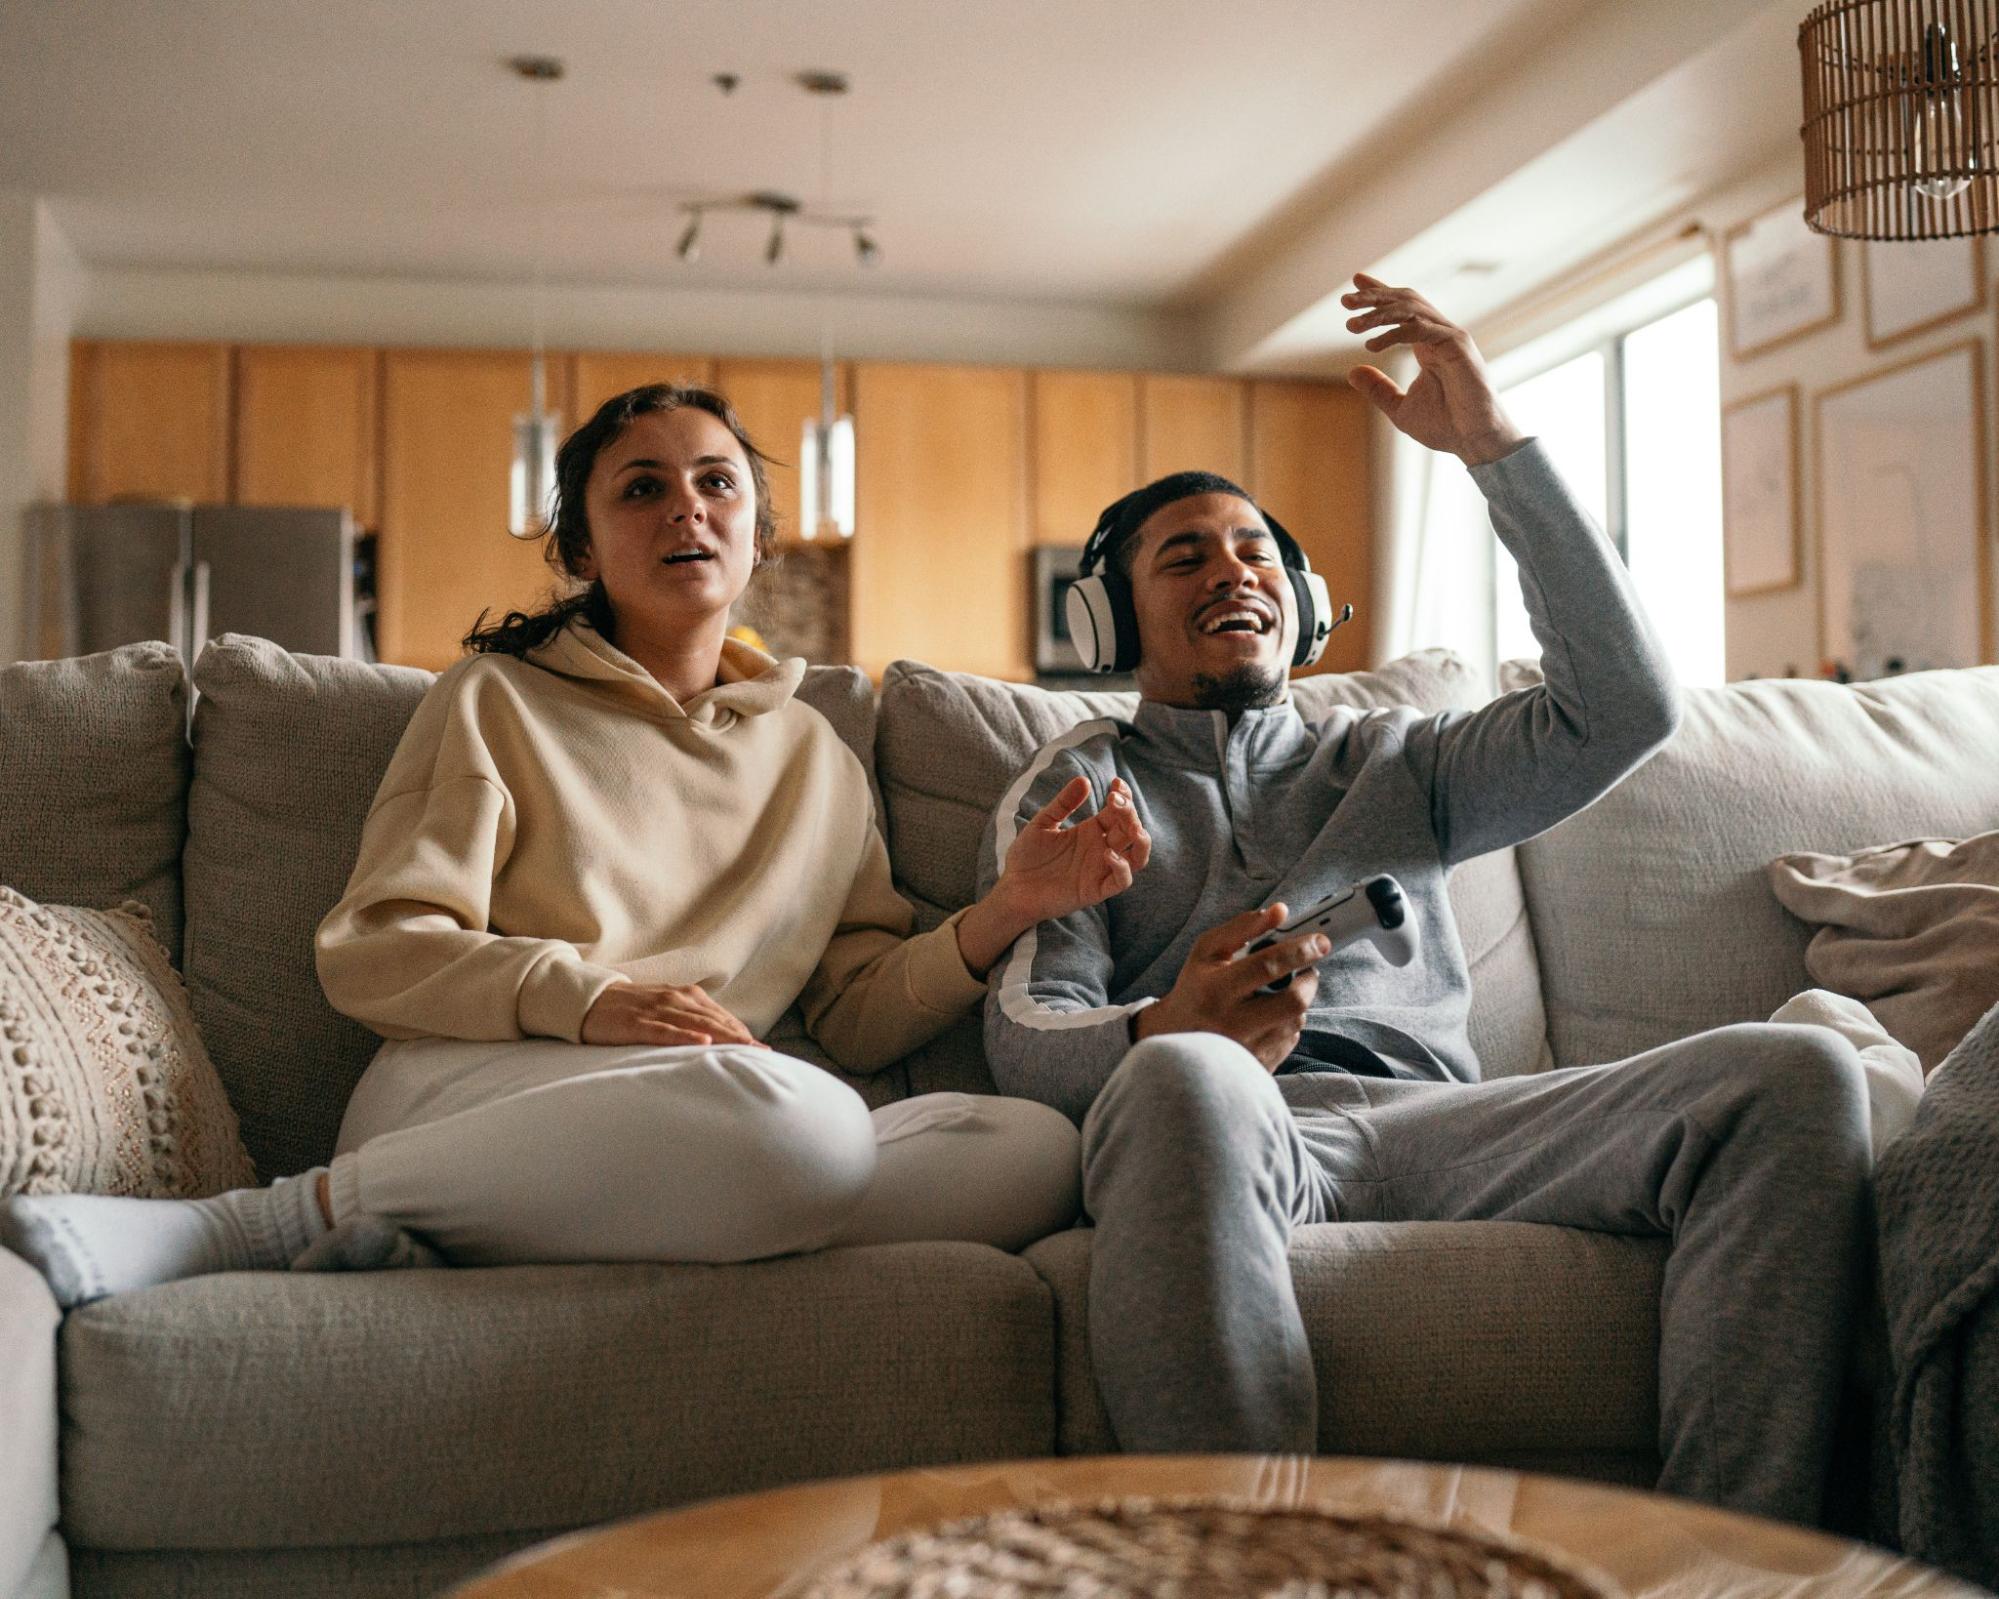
(826, 87)
(782, 209)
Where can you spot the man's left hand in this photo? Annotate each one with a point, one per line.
(1451, 405)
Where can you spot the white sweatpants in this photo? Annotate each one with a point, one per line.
(543, 1151)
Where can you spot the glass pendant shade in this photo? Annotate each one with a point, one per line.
(531, 497)
(1901, 126)
(826, 479)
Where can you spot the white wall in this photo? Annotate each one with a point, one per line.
(250, 307)
(40, 283)
(1767, 632)
(60, 280)
(17, 466)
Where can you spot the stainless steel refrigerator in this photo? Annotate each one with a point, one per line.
(102, 576)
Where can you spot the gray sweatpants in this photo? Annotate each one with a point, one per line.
(1746, 1146)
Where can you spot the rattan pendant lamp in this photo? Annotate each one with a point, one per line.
(1901, 118)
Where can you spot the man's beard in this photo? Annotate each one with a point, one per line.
(1245, 689)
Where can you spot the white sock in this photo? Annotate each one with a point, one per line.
(1894, 1074)
(89, 1246)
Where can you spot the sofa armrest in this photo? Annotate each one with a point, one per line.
(28, 1322)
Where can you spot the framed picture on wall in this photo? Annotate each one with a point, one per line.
(1782, 280)
(1762, 520)
(1909, 287)
(1904, 549)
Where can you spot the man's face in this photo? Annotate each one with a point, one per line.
(1216, 619)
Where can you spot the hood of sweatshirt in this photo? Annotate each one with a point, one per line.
(750, 683)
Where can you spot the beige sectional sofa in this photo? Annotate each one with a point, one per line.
(384, 1434)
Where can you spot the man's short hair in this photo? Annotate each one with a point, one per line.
(1122, 519)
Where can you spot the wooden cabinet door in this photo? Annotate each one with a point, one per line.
(1085, 450)
(940, 552)
(597, 375)
(149, 421)
(305, 427)
(1310, 468)
(447, 451)
(774, 400)
(1192, 424)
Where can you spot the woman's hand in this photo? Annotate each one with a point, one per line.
(1052, 869)
(660, 1013)
(1451, 405)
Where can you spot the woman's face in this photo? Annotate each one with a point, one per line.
(673, 520)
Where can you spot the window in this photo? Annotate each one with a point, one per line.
(1628, 405)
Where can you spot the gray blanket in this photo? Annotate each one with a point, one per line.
(1937, 1190)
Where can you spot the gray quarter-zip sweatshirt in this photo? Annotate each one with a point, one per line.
(1273, 808)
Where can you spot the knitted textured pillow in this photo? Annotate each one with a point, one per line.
(104, 1085)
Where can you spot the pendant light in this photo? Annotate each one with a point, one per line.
(531, 485)
(1901, 123)
(826, 451)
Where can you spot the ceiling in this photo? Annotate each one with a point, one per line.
(1142, 153)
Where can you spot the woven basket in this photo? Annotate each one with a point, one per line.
(1202, 1549)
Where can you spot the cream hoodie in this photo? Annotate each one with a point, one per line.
(552, 826)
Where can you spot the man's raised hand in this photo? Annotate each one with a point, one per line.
(1451, 405)
(1216, 993)
(1056, 866)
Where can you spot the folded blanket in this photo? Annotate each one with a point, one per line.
(1937, 1196)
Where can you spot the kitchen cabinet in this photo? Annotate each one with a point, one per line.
(1083, 452)
(148, 421)
(447, 453)
(962, 471)
(774, 400)
(939, 561)
(1309, 468)
(1192, 424)
(597, 375)
(305, 418)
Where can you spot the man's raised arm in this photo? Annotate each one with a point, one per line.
(1518, 766)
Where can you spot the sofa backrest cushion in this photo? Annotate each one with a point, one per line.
(949, 743)
(288, 752)
(1651, 910)
(94, 768)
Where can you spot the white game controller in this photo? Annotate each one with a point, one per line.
(1373, 909)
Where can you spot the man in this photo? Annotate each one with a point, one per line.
(1217, 1117)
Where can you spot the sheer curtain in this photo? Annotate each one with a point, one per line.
(1451, 583)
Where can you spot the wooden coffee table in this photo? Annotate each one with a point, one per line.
(750, 1547)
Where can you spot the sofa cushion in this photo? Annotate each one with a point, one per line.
(95, 762)
(289, 750)
(28, 1321)
(106, 1088)
(1651, 911)
(1439, 1340)
(387, 1407)
(949, 743)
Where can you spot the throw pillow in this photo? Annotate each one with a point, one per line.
(104, 1085)
(1911, 930)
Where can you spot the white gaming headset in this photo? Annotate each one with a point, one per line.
(1103, 624)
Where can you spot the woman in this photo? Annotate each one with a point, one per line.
(610, 852)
